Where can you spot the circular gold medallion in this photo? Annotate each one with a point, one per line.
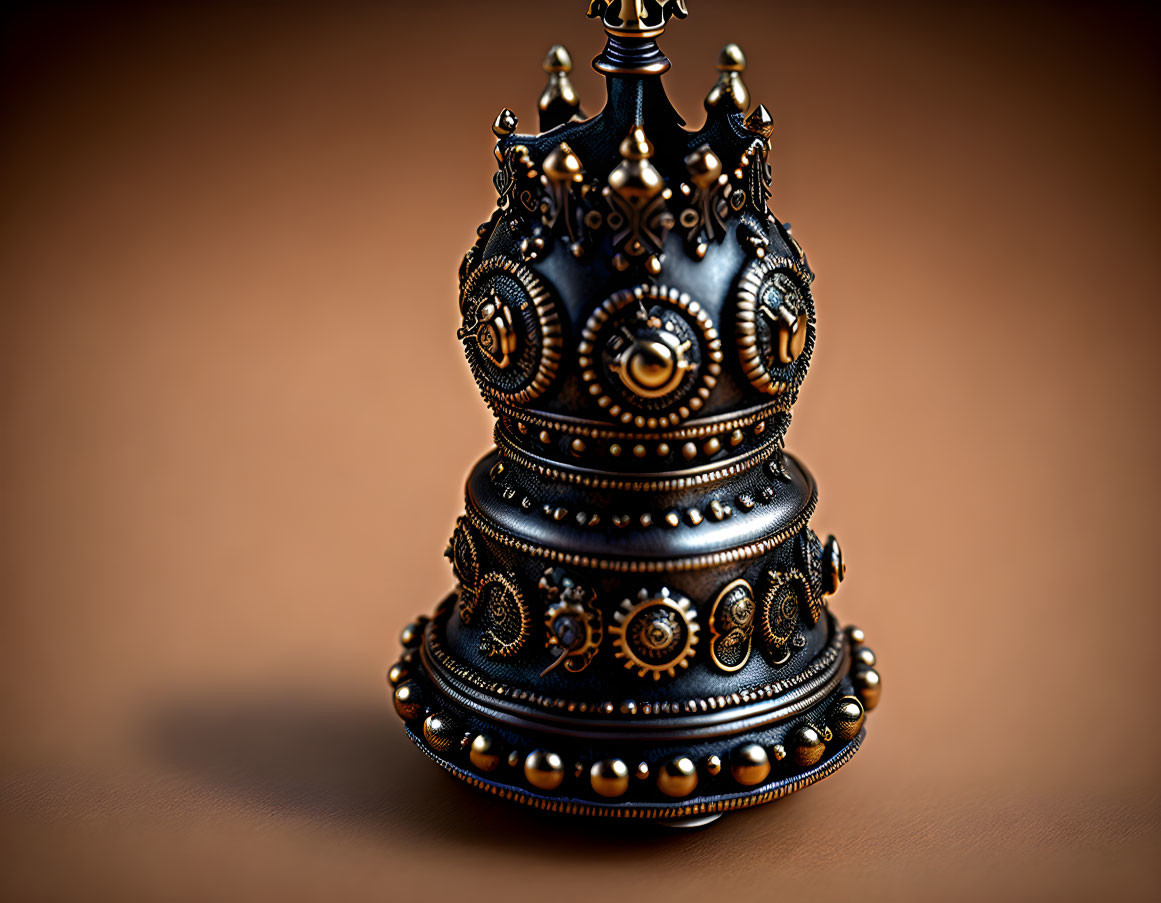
(655, 634)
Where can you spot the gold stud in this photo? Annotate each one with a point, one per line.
(440, 733)
(642, 771)
(662, 450)
(713, 766)
(863, 655)
(736, 438)
(671, 519)
(485, 753)
(397, 674)
(778, 752)
(693, 517)
(856, 635)
(677, 777)
(639, 451)
(615, 450)
(410, 636)
(546, 437)
(610, 778)
(749, 765)
(713, 446)
(543, 769)
(869, 686)
(846, 718)
(562, 165)
(806, 746)
(689, 451)
(578, 446)
(408, 700)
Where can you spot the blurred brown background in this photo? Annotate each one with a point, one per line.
(235, 424)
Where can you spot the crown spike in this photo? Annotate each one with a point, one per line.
(558, 102)
(730, 93)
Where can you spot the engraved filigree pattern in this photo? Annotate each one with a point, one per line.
(511, 331)
(573, 625)
(732, 626)
(774, 324)
(464, 554)
(505, 618)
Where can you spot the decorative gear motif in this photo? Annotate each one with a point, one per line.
(650, 356)
(465, 558)
(656, 634)
(778, 611)
(511, 330)
(810, 559)
(732, 626)
(775, 324)
(573, 625)
(505, 617)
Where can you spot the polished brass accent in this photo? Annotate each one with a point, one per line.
(408, 700)
(749, 765)
(729, 93)
(609, 778)
(636, 18)
(636, 194)
(546, 343)
(846, 718)
(806, 746)
(441, 733)
(731, 625)
(855, 634)
(506, 617)
(649, 357)
(666, 810)
(656, 634)
(862, 655)
(505, 123)
(544, 770)
(572, 622)
(397, 673)
(785, 595)
(677, 777)
(790, 326)
(761, 123)
(834, 569)
(410, 636)
(645, 566)
(712, 765)
(707, 191)
(869, 686)
(558, 102)
(485, 753)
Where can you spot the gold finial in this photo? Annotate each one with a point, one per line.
(505, 123)
(559, 102)
(730, 92)
(636, 18)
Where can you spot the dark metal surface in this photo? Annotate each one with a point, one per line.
(639, 627)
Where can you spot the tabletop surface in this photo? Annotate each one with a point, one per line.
(236, 425)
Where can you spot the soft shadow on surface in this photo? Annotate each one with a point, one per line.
(353, 765)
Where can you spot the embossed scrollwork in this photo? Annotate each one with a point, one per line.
(774, 325)
(732, 626)
(785, 595)
(511, 330)
(505, 617)
(463, 552)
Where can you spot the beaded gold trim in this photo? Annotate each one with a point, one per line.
(650, 566)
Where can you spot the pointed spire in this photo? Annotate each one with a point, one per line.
(730, 93)
(558, 102)
(761, 123)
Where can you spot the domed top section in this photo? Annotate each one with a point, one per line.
(632, 295)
